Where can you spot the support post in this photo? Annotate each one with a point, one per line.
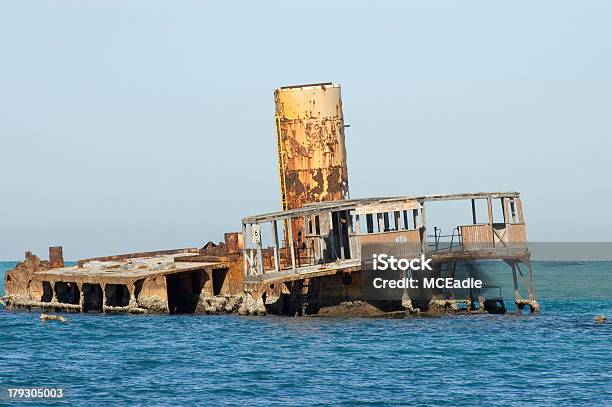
(275, 244)
(54, 297)
(519, 210)
(291, 246)
(533, 303)
(517, 294)
(406, 301)
(523, 280)
(424, 228)
(531, 282)
(132, 290)
(103, 286)
(490, 209)
(81, 297)
(260, 265)
(504, 202)
(474, 211)
(340, 215)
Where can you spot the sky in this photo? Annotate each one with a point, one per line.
(142, 125)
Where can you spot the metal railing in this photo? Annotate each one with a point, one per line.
(438, 244)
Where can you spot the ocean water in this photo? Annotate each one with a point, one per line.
(558, 357)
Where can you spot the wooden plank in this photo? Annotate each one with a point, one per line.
(519, 209)
(504, 203)
(401, 236)
(516, 233)
(379, 207)
(307, 272)
(476, 237)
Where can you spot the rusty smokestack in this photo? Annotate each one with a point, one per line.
(310, 144)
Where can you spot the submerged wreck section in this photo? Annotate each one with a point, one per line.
(311, 258)
(267, 269)
(206, 280)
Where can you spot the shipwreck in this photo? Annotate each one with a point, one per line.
(309, 258)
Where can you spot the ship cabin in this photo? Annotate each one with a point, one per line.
(327, 238)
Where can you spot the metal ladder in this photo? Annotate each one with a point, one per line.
(446, 268)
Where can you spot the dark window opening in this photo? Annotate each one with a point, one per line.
(47, 293)
(219, 277)
(513, 214)
(370, 223)
(138, 288)
(117, 295)
(67, 293)
(386, 222)
(181, 296)
(196, 282)
(92, 297)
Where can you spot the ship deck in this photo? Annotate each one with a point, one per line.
(124, 271)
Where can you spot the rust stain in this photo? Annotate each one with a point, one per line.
(312, 153)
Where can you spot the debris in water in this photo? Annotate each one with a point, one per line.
(47, 317)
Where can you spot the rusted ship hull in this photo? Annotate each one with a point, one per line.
(315, 265)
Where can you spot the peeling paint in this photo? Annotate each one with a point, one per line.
(311, 145)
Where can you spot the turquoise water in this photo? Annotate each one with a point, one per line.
(559, 357)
